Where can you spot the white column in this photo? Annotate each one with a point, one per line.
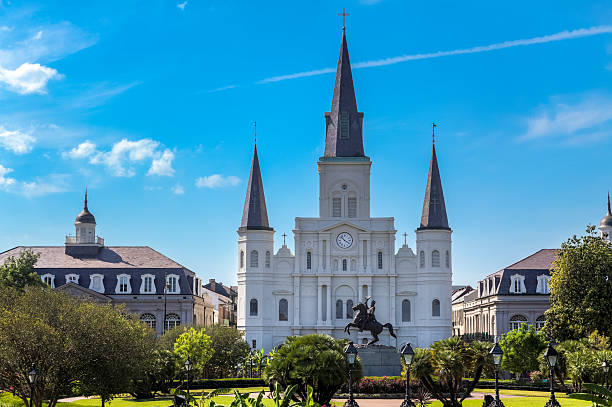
(296, 300)
(329, 305)
(319, 303)
(392, 301)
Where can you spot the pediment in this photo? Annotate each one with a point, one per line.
(75, 290)
(344, 223)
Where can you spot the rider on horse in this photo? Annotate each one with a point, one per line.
(365, 319)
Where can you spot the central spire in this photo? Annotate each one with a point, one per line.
(343, 135)
(434, 209)
(255, 214)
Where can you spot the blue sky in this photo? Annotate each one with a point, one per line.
(151, 105)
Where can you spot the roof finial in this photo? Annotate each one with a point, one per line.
(255, 124)
(609, 211)
(344, 14)
(86, 199)
(433, 132)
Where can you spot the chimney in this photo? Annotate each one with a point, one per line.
(213, 285)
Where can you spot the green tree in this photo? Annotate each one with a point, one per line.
(195, 344)
(229, 350)
(160, 369)
(18, 272)
(169, 337)
(581, 288)
(311, 360)
(521, 348)
(69, 341)
(442, 367)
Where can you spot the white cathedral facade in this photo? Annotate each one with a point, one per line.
(345, 254)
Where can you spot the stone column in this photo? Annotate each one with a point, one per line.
(319, 303)
(329, 305)
(296, 300)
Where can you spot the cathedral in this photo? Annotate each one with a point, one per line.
(344, 255)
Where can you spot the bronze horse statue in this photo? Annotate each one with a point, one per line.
(367, 322)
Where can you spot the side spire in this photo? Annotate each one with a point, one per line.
(85, 207)
(434, 209)
(255, 214)
(609, 211)
(343, 123)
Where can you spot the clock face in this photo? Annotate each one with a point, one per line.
(344, 240)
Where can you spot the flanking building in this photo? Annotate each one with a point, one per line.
(162, 292)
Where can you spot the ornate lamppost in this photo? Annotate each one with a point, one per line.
(188, 366)
(605, 366)
(33, 376)
(407, 354)
(497, 353)
(551, 356)
(351, 356)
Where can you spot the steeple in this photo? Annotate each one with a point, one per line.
(343, 135)
(434, 209)
(85, 216)
(606, 221)
(255, 215)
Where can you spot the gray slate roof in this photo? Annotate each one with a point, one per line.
(434, 208)
(255, 214)
(134, 261)
(344, 101)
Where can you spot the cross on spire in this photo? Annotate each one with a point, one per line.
(255, 125)
(284, 236)
(433, 132)
(405, 236)
(344, 14)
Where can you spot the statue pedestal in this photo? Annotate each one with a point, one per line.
(379, 360)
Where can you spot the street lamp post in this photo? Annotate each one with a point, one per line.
(551, 357)
(188, 366)
(497, 353)
(605, 366)
(33, 376)
(351, 356)
(407, 354)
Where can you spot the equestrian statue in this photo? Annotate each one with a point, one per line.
(366, 321)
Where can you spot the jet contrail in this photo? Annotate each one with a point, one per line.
(560, 36)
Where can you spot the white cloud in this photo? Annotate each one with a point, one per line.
(83, 150)
(178, 189)
(6, 28)
(217, 181)
(221, 89)
(37, 36)
(16, 141)
(560, 36)
(586, 119)
(162, 165)
(5, 182)
(28, 78)
(182, 5)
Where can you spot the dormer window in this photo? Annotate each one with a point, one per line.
(48, 279)
(517, 284)
(72, 278)
(123, 284)
(543, 284)
(96, 283)
(344, 125)
(173, 284)
(147, 286)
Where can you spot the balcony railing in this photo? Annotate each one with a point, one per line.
(71, 239)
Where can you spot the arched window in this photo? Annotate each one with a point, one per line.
(268, 259)
(352, 207)
(422, 259)
(435, 258)
(349, 309)
(339, 309)
(241, 259)
(254, 258)
(540, 321)
(406, 311)
(172, 321)
(447, 260)
(283, 310)
(435, 308)
(380, 260)
(253, 307)
(149, 319)
(308, 260)
(344, 265)
(517, 320)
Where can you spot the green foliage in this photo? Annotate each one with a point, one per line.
(229, 350)
(599, 395)
(195, 344)
(521, 348)
(280, 398)
(169, 337)
(19, 272)
(581, 289)
(160, 369)
(69, 341)
(314, 360)
(441, 368)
